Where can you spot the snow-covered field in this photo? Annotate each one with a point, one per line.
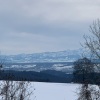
(54, 91)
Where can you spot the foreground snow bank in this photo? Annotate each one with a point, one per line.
(54, 91)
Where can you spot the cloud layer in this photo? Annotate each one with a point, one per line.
(28, 26)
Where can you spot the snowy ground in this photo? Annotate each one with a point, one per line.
(54, 91)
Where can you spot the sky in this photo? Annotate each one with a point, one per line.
(32, 26)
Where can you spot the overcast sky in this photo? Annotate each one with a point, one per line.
(29, 26)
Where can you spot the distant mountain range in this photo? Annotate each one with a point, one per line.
(61, 56)
(45, 67)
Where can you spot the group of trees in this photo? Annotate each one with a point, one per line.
(83, 71)
(84, 68)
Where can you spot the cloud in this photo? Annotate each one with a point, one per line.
(45, 25)
(25, 43)
(31, 15)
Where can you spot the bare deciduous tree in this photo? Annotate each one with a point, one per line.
(82, 72)
(15, 90)
(92, 43)
(85, 92)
